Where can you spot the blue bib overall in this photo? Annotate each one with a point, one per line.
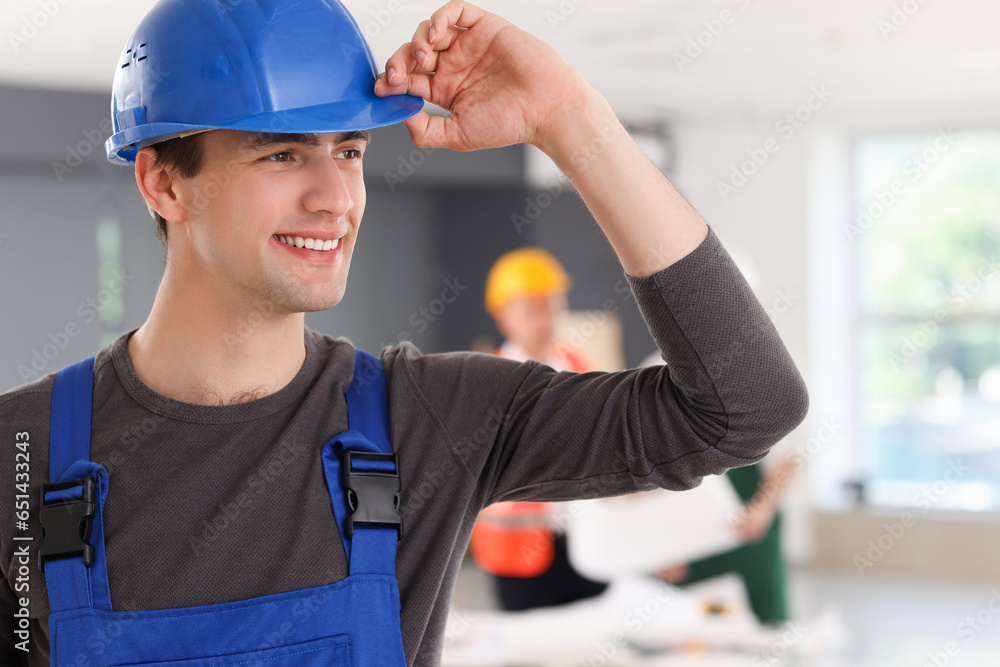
(354, 621)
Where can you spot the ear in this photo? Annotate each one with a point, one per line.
(158, 186)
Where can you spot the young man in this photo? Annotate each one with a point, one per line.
(210, 419)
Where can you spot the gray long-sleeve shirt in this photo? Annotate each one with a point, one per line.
(210, 504)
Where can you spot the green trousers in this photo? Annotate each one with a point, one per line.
(760, 565)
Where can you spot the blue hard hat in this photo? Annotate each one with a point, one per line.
(254, 65)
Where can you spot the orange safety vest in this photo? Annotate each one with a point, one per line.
(515, 539)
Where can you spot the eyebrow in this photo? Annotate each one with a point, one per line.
(262, 140)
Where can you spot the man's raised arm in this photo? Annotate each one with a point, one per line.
(730, 389)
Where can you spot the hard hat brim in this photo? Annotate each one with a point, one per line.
(344, 116)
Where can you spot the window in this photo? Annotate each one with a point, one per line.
(926, 243)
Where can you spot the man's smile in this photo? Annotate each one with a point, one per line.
(310, 243)
(311, 248)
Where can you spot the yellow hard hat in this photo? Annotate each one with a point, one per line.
(524, 272)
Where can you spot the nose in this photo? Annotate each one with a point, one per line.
(329, 188)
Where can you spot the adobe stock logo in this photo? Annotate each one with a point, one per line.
(787, 126)
(87, 310)
(31, 25)
(928, 497)
(700, 43)
(900, 16)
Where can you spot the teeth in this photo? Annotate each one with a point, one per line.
(308, 243)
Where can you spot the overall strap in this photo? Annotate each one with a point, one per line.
(368, 401)
(71, 583)
(72, 398)
(370, 545)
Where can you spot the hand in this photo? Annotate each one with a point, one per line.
(756, 520)
(675, 574)
(501, 84)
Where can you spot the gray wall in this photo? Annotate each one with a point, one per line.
(433, 222)
(51, 199)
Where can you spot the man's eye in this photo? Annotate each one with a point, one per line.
(351, 153)
(277, 157)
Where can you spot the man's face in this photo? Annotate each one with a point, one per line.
(255, 199)
(530, 321)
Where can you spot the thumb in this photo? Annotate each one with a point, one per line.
(427, 131)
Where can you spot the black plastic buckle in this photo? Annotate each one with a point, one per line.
(66, 524)
(372, 495)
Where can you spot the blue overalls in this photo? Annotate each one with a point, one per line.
(354, 621)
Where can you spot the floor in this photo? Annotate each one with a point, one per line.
(888, 622)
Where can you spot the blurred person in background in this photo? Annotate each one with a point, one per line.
(521, 543)
(759, 561)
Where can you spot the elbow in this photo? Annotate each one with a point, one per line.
(793, 408)
(783, 411)
(777, 411)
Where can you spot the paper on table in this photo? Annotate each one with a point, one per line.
(642, 533)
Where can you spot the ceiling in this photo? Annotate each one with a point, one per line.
(943, 60)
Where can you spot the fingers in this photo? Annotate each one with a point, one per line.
(444, 27)
(432, 37)
(403, 75)
(455, 13)
(420, 47)
(418, 55)
(427, 131)
(424, 51)
(415, 83)
(399, 66)
(411, 68)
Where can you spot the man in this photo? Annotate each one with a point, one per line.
(209, 419)
(526, 295)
